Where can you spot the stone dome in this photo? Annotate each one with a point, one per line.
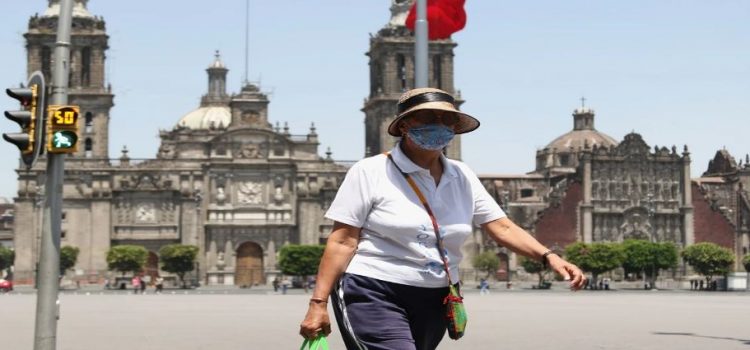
(583, 133)
(206, 118)
(579, 138)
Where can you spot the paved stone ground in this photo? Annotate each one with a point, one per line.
(502, 320)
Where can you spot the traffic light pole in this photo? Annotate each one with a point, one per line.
(421, 45)
(47, 306)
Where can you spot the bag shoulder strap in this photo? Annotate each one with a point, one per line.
(441, 248)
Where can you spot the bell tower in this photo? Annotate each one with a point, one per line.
(392, 72)
(88, 88)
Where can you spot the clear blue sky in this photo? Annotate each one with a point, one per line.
(677, 72)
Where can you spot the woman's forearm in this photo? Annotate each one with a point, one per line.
(509, 235)
(340, 248)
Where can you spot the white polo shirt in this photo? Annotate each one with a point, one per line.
(397, 242)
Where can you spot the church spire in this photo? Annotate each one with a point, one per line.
(217, 83)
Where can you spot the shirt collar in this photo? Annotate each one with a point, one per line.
(409, 167)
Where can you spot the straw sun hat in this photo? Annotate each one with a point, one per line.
(434, 99)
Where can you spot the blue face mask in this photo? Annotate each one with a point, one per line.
(431, 136)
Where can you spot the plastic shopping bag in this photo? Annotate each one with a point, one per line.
(319, 343)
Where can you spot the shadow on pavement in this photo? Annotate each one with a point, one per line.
(744, 341)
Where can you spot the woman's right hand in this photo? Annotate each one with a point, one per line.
(315, 321)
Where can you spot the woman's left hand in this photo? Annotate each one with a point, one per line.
(568, 271)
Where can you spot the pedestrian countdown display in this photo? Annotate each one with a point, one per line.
(62, 129)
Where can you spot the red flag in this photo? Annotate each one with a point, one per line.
(445, 17)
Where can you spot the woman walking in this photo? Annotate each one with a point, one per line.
(399, 221)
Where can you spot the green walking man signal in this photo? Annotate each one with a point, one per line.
(62, 129)
(31, 118)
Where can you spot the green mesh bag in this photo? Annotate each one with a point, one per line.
(455, 314)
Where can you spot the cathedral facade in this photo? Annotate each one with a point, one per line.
(224, 179)
(587, 187)
(239, 187)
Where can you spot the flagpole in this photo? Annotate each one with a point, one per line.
(421, 45)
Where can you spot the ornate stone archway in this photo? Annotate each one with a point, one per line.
(249, 265)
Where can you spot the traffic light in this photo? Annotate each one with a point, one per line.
(62, 129)
(30, 118)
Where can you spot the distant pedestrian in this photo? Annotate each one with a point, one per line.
(136, 282)
(143, 286)
(310, 282)
(285, 285)
(159, 283)
(275, 284)
(484, 286)
(701, 285)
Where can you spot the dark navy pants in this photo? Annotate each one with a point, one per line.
(374, 314)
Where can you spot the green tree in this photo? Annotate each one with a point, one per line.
(596, 258)
(648, 257)
(127, 258)
(746, 262)
(486, 262)
(68, 258)
(300, 260)
(708, 259)
(7, 256)
(666, 256)
(533, 266)
(178, 259)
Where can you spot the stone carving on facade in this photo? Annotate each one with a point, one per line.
(399, 11)
(278, 197)
(166, 151)
(145, 181)
(83, 185)
(167, 212)
(250, 151)
(250, 118)
(220, 263)
(636, 224)
(221, 197)
(146, 212)
(302, 189)
(249, 192)
(123, 209)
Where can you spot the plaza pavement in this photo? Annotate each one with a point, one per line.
(261, 319)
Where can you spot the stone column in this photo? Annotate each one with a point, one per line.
(687, 200)
(211, 256)
(229, 253)
(586, 207)
(270, 263)
(230, 256)
(99, 244)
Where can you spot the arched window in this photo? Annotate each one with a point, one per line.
(86, 66)
(89, 121)
(527, 192)
(437, 71)
(401, 70)
(88, 148)
(47, 62)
